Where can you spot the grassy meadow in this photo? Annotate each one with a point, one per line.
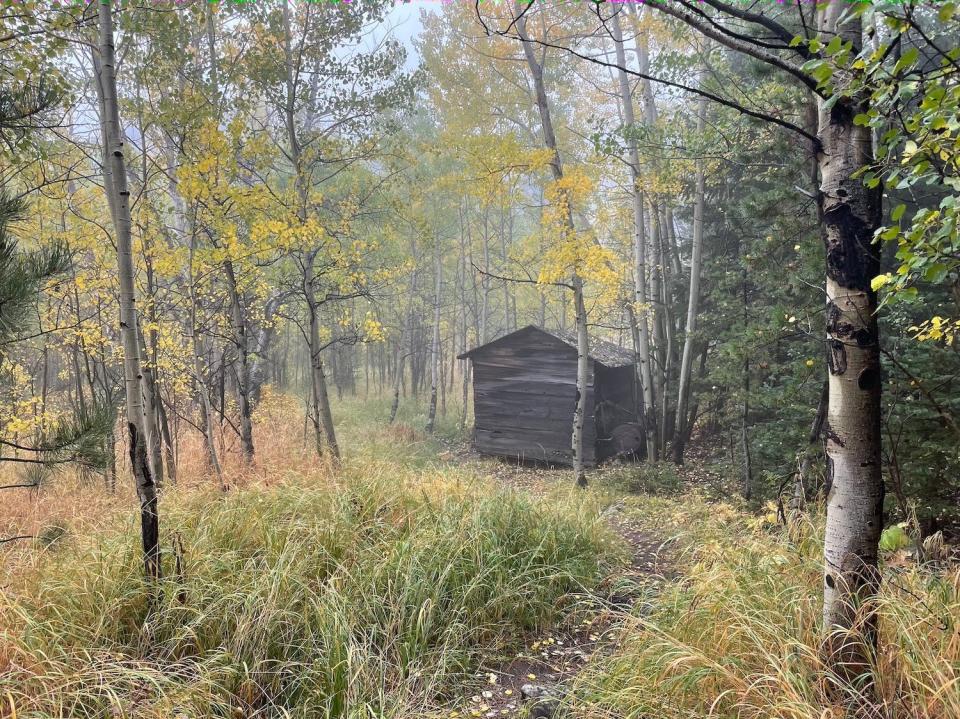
(381, 589)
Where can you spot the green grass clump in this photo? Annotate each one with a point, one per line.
(370, 598)
(738, 635)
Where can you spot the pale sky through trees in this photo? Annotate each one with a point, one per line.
(404, 23)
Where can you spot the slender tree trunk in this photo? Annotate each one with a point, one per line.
(744, 433)
(580, 312)
(504, 258)
(318, 377)
(397, 379)
(435, 344)
(693, 301)
(203, 394)
(239, 331)
(850, 215)
(237, 324)
(324, 415)
(170, 455)
(747, 467)
(115, 183)
(151, 406)
(648, 108)
(185, 232)
(642, 336)
(150, 366)
(485, 283)
(799, 498)
(264, 339)
(466, 365)
(406, 330)
(660, 343)
(583, 371)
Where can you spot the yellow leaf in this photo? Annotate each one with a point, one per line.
(879, 281)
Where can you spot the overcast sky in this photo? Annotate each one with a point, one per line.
(403, 22)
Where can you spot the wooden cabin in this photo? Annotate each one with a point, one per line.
(524, 392)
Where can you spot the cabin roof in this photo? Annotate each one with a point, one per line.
(606, 353)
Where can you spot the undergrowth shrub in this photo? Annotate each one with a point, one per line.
(366, 599)
(653, 478)
(738, 635)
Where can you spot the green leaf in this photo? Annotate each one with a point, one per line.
(906, 60)
(898, 212)
(890, 233)
(936, 272)
(822, 73)
(894, 538)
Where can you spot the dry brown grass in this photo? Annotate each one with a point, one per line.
(81, 503)
(402, 432)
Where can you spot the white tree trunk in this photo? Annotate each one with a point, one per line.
(642, 338)
(237, 324)
(583, 370)
(556, 168)
(327, 436)
(658, 348)
(319, 380)
(198, 373)
(115, 182)
(850, 214)
(435, 344)
(693, 303)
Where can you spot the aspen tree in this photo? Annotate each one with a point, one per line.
(115, 184)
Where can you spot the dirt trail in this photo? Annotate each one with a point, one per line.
(590, 629)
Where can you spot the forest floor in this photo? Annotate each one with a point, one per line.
(435, 583)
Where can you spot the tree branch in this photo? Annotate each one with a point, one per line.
(522, 280)
(668, 83)
(760, 19)
(745, 47)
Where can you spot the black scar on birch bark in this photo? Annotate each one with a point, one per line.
(869, 378)
(837, 357)
(836, 354)
(132, 430)
(149, 526)
(843, 333)
(828, 433)
(828, 477)
(862, 336)
(851, 240)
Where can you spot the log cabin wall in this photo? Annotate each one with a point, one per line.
(524, 389)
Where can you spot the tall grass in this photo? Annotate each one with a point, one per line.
(738, 636)
(79, 502)
(369, 594)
